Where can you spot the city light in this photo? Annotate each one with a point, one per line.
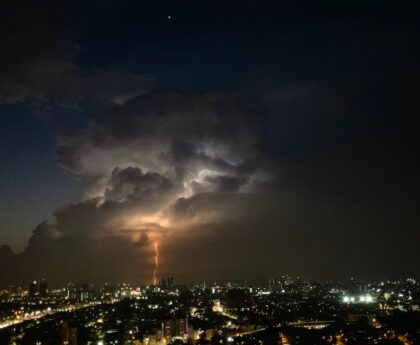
(358, 299)
(224, 312)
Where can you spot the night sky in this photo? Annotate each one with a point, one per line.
(247, 139)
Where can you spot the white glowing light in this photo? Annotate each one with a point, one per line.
(360, 299)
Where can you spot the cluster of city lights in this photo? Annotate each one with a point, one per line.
(358, 299)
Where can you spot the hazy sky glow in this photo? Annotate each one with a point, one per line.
(247, 141)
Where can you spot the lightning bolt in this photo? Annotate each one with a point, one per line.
(155, 271)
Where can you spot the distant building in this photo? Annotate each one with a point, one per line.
(181, 328)
(67, 334)
(281, 283)
(286, 280)
(173, 328)
(170, 281)
(81, 293)
(43, 289)
(236, 299)
(38, 289)
(167, 283)
(167, 329)
(33, 289)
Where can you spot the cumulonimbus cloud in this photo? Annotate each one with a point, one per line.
(163, 148)
(157, 165)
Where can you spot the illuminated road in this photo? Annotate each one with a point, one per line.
(258, 330)
(311, 324)
(39, 314)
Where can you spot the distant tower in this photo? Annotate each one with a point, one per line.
(43, 288)
(170, 282)
(167, 283)
(33, 289)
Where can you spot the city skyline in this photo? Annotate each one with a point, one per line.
(208, 142)
(289, 310)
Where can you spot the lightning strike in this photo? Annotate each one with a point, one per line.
(156, 249)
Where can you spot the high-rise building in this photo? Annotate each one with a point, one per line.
(163, 283)
(33, 289)
(181, 328)
(67, 334)
(167, 329)
(174, 328)
(170, 282)
(286, 280)
(167, 283)
(43, 288)
(38, 289)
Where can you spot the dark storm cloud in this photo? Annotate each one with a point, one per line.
(207, 140)
(40, 65)
(50, 86)
(154, 167)
(76, 258)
